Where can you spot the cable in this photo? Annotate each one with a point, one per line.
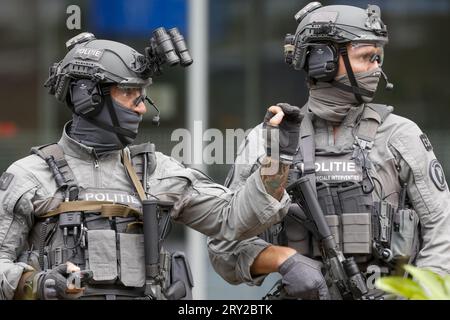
(381, 188)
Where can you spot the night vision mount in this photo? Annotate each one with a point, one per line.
(167, 48)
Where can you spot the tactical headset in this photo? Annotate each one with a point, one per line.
(322, 62)
(85, 98)
(317, 46)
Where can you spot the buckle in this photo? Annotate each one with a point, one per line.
(364, 144)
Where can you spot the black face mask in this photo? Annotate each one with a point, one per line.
(91, 135)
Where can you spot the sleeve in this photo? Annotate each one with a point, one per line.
(248, 159)
(428, 191)
(232, 259)
(16, 218)
(223, 214)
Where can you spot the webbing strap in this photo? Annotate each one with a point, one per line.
(106, 208)
(308, 149)
(372, 117)
(132, 173)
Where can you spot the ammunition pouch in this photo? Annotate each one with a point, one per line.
(404, 236)
(356, 233)
(334, 222)
(348, 212)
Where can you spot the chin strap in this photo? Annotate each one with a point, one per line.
(115, 128)
(357, 91)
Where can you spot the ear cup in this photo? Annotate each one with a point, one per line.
(86, 98)
(97, 100)
(322, 62)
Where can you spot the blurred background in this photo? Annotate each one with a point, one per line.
(244, 69)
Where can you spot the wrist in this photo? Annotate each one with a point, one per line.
(27, 286)
(270, 259)
(284, 254)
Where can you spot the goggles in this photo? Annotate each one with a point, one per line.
(378, 56)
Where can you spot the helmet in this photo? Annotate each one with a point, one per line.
(95, 64)
(323, 30)
(323, 33)
(82, 79)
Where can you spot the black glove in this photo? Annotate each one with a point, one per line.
(286, 134)
(56, 284)
(303, 278)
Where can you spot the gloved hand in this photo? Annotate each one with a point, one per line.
(302, 278)
(56, 283)
(284, 134)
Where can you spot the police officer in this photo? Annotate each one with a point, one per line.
(378, 182)
(72, 210)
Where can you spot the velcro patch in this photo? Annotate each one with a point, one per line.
(437, 175)
(426, 142)
(88, 53)
(5, 180)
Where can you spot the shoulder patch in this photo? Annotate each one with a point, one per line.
(437, 174)
(5, 180)
(426, 142)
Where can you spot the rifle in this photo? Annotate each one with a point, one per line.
(156, 218)
(343, 275)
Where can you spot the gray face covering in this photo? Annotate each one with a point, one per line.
(100, 139)
(332, 104)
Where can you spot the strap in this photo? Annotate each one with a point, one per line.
(351, 75)
(383, 110)
(372, 117)
(132, 173)
(106, 208)
(143, 159)
(308, 149)
(53, 155)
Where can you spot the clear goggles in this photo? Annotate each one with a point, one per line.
(378, 56)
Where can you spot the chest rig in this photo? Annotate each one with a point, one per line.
(113, 236)
(364, 224)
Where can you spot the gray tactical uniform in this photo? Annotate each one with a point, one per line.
(28, 190)
(401, 154)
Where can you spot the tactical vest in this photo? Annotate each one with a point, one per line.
(365, 225)
(102, 231)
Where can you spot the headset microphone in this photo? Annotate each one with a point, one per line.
(155, 119)
(389, 85)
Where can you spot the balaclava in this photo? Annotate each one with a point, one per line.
(332, 104)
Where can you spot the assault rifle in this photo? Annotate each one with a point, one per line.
(343, 275)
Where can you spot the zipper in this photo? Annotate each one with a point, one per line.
(96, 170)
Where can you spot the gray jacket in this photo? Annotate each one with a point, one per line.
(401, 153)
(28, 190)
